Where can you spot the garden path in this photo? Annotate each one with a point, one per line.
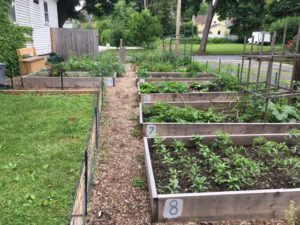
(114, 199)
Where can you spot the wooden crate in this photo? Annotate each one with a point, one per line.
(216, 206)
(189, 129)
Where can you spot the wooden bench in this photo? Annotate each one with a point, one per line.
(29, 62)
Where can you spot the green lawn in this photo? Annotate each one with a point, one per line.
(228, 49)
(42, 141)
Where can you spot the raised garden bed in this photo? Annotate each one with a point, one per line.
(178, 75)
(72, 79)
(167, 120)
(188, 97)
(175, 77)
(211, 179)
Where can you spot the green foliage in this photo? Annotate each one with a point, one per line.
(164, 87)
(163, 112)
(221, 165)
(105, 65)
(144, 28)
(282, 9)
(220, 83)
(11, 38)
(138, 183)
(188, 29)
(278, 26)
(54, 58)
(283, 113)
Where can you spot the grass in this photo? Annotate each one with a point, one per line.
(41, 152)
(228, 49)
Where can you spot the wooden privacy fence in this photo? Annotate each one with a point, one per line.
(79, 42)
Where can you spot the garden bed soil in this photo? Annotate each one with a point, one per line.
(256, 202)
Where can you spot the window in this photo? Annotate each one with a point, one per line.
(219, 32)
(13, 11)
(46, 11)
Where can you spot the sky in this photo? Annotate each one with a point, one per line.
(81, 5)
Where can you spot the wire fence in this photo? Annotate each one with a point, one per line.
(78, 211)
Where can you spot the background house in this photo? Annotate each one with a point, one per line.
(219, 29)
(41, 15)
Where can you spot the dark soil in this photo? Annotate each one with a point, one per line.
(272, 176)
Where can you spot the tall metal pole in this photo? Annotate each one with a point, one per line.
(178, 19)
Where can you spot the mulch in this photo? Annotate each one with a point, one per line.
(114, 200)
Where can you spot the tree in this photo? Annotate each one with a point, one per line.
(66, 9)
(281, 9)
(144, 28)
(213, 5)
(190, 8)
(247, 16)
(164, 10)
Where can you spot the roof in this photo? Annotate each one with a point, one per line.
(201, 19)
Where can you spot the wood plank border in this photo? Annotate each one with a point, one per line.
(189, 129)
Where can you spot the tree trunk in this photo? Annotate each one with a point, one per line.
(297, 64)
(210, 15)
(145, 4)
(178, 21)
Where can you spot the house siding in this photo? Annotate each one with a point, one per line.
(31, 14)
(22, 13)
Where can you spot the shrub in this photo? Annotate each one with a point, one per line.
(144, 28)
(11, 38)
(278, 26)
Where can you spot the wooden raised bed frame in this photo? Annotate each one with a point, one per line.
(175, 77)
(189, 129)
(188, 97)
(32, 81)
(216, 206)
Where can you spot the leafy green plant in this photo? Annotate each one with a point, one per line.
(13, 37)
(162, 112)
(173, 181)
(221, 165)
(105, 65)
(138, 183)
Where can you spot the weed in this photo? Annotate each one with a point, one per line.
(138, 182)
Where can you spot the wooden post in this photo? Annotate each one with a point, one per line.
(178, 19)
(296, 71)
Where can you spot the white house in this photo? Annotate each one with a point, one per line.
(40, 15)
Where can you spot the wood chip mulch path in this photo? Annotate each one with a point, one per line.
(114, 200)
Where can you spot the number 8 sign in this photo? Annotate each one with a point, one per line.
(173, 208)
